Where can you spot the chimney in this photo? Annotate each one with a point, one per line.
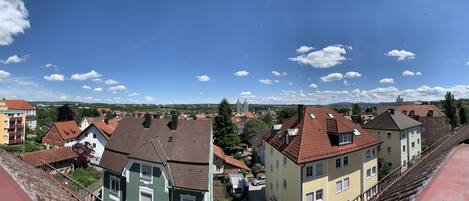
(147, 121)
(301, 112)
(391, 110)
(174, 120)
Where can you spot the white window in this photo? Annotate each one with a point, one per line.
(418, 141)
(338, 163)
(373, 151)
(319, 195)
(146, 196)
(309, 171)
(403, 148)
(318, 169)
(310, 197)
(285, 161)
(146, 172)
(413, 144)
(368, 173)
(345, 161)
(373, 171)
(114, 186)
(345, 139)
(368, 153)
(338, 187)
(346, 183)
(187, 198)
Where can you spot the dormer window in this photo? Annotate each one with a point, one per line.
(411, 113)
(430, 113)
(345, 139)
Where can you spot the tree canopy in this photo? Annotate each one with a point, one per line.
(462, 115)
(64, 113)
(285, 113)
(450, 109)
(225, 131)
(251, 128)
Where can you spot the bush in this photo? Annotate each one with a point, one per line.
(22, 148)
(85, 176)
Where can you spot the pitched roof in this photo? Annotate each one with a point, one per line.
(388, 121)
(228, 159)
(312, 142)
(48, 156)
(67, 129)
(18, 105)
(104, 128)
(190, 147)
(421, 110)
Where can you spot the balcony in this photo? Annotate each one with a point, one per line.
(16, 126)
(17, 141)
(16, 134)
(16, 119)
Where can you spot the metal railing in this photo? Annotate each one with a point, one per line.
(69, 184)
(375, 191)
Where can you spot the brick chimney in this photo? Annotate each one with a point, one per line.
(147, 121)
(174, 120)
(301, 112)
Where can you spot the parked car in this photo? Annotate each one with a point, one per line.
(258, 181)
(237, 185)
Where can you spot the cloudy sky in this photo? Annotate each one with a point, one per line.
(313, 52)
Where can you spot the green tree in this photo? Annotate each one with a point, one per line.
(251, 128)
(64, 113)
(268, 119)
(356, 109)
(450, 109)
(225, 133)
(110, 115)
(285, 113)
(462, 115)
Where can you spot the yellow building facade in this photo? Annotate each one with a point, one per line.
(12, 125)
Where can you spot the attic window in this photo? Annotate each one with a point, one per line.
(345, 139)
(356, 132)
(312, 116)
(330, 115)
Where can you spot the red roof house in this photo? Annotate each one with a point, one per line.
(61, 133)
(226, 164)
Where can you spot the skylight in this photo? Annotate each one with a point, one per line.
(330, 115)
(356, 132)
(292, 132)
(277, 126)
(312, 116)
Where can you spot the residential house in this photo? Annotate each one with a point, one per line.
(26, 108)
(60, 158)
(434, 121)
(224, 164)
(12, 125)
(401, 137)
(87, 121)
(62, 134)
(320, 155)
(97, 134)
(257, 144)
(103, 111)
(158, 159)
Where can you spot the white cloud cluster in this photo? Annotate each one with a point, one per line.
(85, 76)
(241, 73)
(387, 81)
(203, 78)
(400, 54)
(353, 74)
(98, 89)
(133, 94)
(13, 20)
(245, 93)
(265, 81)
(277, 74)
(14, 59)
(325, 58)
(148, 98)
(312, 85)
(332, 77)
(86, 87)
(111, 82)
(117, 88)
(4, 74)
(304, 49)
(410, 73)
(54, 77)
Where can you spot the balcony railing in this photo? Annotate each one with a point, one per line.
(17, 141)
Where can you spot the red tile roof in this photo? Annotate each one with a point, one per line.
(67, 129)
(228, 159)
(104, 128)
(313, 141)
(18, 104)
(421, 110)
(48, 156)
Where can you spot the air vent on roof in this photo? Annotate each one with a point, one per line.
(356, 132)
(330, 115)
(312, 116)
(277, 126)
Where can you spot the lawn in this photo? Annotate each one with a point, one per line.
(85, 176)
(23, 148)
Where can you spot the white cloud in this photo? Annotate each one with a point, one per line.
(63, 97)
(418, 73)
(467, 63)
(86, 87)
(325, 58)
(400, 54)
(265, 81)
(4, 74)
(352, 74)
(203, 78)
(148, 98)
(410, 73)
(111, 82)
(332, 77)
(96, 80)
(49, 65)
(276, 81)
(304, 49)
(290, 83)
(85, 76)
(117, 88)
(133, 94)
(245, 93)
(241, 73)
(98, 89)
(14, 59)
(312, 85)
(276, 73)
(54, 77)
(346, 83)
(387, 81)
(13, 20)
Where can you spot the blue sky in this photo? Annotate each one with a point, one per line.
(313, 52)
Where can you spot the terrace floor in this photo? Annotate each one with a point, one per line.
(451, 182)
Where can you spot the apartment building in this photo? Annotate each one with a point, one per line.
(12, 125)
(401, 137)
(25, 108)
(319, 155)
